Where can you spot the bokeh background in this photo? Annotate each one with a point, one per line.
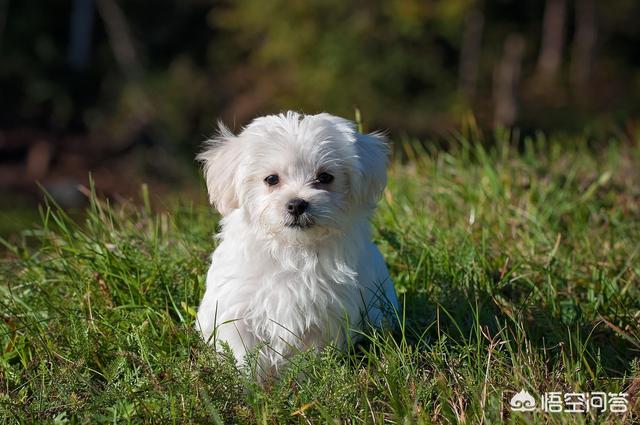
(127, 90)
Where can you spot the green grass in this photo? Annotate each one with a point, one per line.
(518, 266)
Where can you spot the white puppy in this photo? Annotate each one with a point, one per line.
(295, 267)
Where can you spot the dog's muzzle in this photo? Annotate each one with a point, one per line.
(298, 215)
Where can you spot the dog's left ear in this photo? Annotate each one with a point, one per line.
(373, 154)
(221, 160)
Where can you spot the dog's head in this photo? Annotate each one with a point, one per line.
(294, 175)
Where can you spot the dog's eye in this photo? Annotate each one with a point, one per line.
(324, 178)
(272, 180)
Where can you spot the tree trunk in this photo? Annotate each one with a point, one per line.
(120, 39)
(553, 30)
(80, 33)
(583, 45)
(506, 81)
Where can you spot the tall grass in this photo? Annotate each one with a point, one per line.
(517, 266)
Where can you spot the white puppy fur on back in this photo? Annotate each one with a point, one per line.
(295, 267)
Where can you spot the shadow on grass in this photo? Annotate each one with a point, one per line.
(463, 315)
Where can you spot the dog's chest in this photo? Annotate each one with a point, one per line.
(287, 296)
(304, 304)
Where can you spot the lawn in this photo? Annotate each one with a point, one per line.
(516, 262)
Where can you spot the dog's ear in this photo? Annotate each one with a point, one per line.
(221, 159)
(373, 153)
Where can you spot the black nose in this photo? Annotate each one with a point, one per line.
(297, 206)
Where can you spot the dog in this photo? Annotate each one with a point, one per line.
(295, 267)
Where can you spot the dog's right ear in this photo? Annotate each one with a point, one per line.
(221, 159)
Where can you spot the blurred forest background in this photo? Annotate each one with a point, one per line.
(127, 90)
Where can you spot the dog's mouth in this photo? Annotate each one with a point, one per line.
(298, 226)
(301, 223)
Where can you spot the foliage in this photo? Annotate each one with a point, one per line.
(400, 61)
(517, 266)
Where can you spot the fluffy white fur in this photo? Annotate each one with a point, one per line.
(278, 284)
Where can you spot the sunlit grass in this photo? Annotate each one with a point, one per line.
(517, 266)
